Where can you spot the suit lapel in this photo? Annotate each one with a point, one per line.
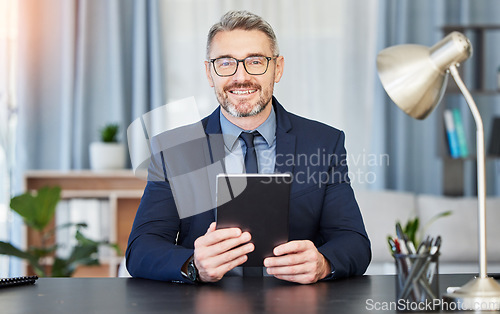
(285, 141)
(215, 141)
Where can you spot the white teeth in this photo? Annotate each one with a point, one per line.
(242, 92)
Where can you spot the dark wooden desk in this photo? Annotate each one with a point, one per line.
(231, 295)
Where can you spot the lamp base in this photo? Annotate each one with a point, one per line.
(478, 294)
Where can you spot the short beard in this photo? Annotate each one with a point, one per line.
(230, 108)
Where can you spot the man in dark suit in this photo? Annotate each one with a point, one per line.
(327, 238)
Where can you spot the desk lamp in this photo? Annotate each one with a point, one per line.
(415, 78)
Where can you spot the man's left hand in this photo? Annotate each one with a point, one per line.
(298, 261)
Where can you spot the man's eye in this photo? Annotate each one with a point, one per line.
(256, 62)
(224, 63)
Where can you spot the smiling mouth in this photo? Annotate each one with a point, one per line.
(243, 92)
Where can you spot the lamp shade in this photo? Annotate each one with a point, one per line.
(415, 76)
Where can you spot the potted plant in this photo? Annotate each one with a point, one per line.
(37, 211)
(108, 153)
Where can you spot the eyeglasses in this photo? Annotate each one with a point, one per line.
(227, 66)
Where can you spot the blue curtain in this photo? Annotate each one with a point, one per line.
(82, 64)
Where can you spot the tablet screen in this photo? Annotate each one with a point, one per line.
(257, 203)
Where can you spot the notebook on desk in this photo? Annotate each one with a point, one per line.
(257, 203)
(17, 281)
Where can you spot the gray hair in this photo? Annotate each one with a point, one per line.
(246, 21)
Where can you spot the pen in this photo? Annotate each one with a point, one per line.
(434, 251)
(398, 246)
(392, 245)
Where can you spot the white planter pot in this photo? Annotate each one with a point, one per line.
(107, 156)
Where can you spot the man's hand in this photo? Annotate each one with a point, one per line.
(298, 261)
(217, 252)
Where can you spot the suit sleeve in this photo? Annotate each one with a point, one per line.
(152, 251)
(346, 244)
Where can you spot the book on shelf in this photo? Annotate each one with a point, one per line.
(451, 134)
(459, 128)
(494, 145)
(94, 212)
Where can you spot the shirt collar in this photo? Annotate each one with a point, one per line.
(231, 132)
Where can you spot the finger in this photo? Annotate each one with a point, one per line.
(232, 264)
(287, 260)
(205, 251)
(211, 228)
(226, 257)
(231, 243)
(290, 270)
(292, 247)
(216, 236)
(219, 260)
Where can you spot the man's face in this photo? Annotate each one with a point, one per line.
(243, 94)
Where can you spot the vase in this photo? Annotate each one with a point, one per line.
(107, 156)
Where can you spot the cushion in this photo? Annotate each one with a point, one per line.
(459, 231)
(381, 210)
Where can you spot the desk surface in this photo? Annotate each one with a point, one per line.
(231, 295)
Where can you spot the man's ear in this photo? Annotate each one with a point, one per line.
(280, 64)
(209, 74)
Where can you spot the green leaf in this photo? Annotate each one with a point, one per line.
(89, 261)
(82, 252)
(109, 133)
(25, 205)
(60, 268)
(84, 248)
(50, 233)
(39, 208)
(411, 229)
(10, 250)
(48, 199)
(42, 251)
(82, 239)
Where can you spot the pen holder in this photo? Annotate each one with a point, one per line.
(417, 281)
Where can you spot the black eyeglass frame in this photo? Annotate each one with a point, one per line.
(238, 63)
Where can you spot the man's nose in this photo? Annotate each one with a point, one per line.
(241, 74)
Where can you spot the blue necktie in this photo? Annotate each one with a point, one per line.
(250, 155)
(251, 167)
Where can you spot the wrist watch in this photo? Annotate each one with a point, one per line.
(192, 271)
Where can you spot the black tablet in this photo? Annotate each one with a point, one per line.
(257, 203)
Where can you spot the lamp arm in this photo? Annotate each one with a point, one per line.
(481, 170)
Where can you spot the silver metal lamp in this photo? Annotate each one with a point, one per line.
(415, 77)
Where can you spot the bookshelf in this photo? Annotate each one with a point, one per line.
(475, 74)
(121, 188)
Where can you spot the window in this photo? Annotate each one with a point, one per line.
(8, 38)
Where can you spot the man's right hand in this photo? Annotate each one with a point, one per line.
(219, 251)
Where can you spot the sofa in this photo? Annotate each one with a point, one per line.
(459, 251)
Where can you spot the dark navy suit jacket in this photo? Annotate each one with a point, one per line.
(323, 208)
